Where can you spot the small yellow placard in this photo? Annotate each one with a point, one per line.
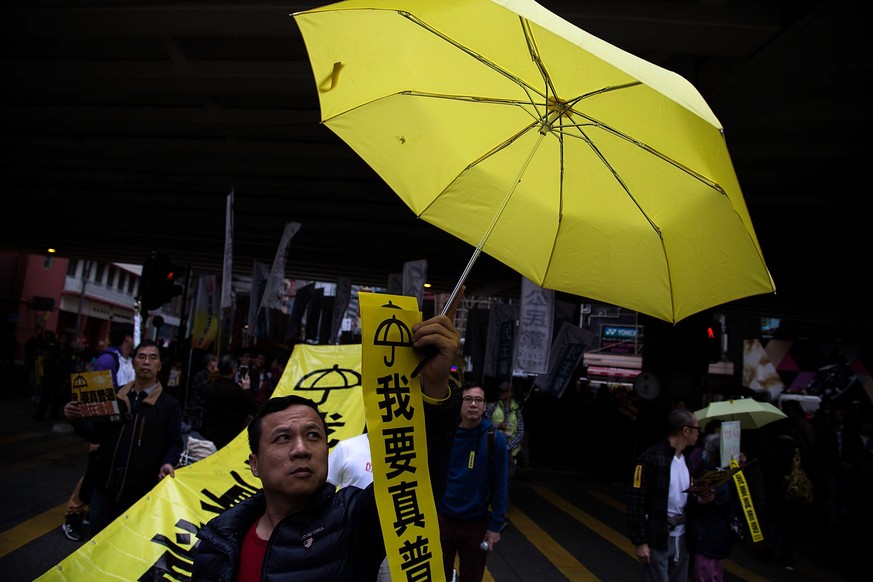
(95, 393)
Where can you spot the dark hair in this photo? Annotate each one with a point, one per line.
(471, 384)
(278, 404)
(119, 332)
(679, 418)
(209, 358)
(226, 364)
(146, 343)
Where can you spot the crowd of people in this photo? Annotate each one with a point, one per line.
(679, 533)
(151, 399)
(683, 534)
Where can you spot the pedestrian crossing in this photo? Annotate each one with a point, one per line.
(564, 526)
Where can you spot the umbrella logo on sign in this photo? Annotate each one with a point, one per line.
(334, 378)
(392, 333)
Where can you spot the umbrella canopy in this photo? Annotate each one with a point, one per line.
(750, 413)
(582, 167)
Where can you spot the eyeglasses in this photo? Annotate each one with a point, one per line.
(469, 400)
(697, 428)
(149, 357)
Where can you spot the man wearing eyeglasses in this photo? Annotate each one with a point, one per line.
(140, 449)
(473, 509)
(657, 501)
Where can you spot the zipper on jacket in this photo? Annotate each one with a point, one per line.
(137, 419)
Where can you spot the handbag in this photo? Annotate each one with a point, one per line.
(798, 487)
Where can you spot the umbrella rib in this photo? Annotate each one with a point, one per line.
(585, 137)
(535, 56)
(494, 219)
(642, 145)
(490, 64)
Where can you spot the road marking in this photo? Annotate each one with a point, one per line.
(548, 547)
(486, 576)
(621, 541)
(40, 454)
(35, 527)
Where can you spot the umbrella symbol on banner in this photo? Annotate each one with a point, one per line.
(335, 378)
(392, 333)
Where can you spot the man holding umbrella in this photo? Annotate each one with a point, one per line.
(657, 501)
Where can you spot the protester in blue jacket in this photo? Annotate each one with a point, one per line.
(473, 510)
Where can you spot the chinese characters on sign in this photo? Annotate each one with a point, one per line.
(96, 393)
(393, 408)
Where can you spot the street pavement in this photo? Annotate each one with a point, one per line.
(564, 525)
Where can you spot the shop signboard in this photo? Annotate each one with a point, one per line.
(620, 339)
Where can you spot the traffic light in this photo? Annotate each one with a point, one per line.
(713, 341)
(157, 285)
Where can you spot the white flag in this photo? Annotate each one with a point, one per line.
(414, 278)
(274, 291)
(227, 271)
(340, 306)
(535, 328)
(258, 323)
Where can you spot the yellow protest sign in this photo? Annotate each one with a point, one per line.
(95, 392)
(155, 538)
(395, 421)
(746, 503)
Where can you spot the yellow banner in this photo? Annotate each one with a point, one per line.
(746, 503)
(206, 320)
(394, 409)
(154, 539)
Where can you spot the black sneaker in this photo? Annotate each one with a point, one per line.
(73, 528)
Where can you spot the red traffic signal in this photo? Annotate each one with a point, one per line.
(713, 341)
(157, 285)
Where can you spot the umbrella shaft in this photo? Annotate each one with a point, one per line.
(491, 226)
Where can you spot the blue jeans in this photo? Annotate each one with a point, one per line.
(104, 509)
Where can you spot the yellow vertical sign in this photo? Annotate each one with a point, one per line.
(746, 503)
(395, 420)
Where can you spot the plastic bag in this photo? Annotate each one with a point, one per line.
(196, 450)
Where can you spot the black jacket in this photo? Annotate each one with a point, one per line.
(133, 450)
(226, 411)
(647, 497)
(709, 524)
(336, 538)
(318, 542)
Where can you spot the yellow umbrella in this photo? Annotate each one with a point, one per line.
(582, 167)
(750, 412)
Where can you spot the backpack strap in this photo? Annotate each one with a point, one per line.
(117, 361)
(489, 439)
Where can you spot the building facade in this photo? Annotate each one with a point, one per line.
(80, 297)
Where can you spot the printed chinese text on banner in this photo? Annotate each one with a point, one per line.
(534, 328)
(395, 419)
(156, 535)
